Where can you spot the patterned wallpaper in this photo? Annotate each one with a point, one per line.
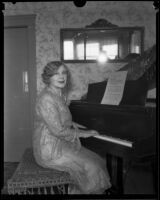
(51, 16)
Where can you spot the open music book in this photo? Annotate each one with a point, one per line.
(114, 88)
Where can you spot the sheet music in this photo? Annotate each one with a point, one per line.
(114, 89)
(151, 93)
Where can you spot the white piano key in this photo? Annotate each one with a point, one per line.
(115, 140)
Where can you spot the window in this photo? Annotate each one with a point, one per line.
(68, 50)
(92, 50)
(111, 50)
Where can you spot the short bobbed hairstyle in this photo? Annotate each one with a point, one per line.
(50, 70)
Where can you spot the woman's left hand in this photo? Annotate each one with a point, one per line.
(90, 133)
(94, 132)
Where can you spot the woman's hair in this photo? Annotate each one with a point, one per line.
(50, 69)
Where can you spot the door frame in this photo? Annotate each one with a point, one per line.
(27, 21)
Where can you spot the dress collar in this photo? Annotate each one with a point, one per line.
(54, 91)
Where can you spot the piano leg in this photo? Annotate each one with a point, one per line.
(155, 175)
(115, 169)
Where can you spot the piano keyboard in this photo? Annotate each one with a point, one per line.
(115, 140)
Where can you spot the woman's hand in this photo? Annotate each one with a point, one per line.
(86, 134)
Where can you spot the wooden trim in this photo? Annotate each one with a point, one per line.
(29, 22)
(19, 20)
(61, 46)
(112, 28)
(142, 40)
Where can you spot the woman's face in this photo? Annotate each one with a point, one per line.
(59, 79)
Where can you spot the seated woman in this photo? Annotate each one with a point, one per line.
(56, 142)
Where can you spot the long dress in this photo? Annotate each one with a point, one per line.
(56, 145)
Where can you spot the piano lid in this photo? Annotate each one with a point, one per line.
(138, 66)
(140, 78)
(135, 92)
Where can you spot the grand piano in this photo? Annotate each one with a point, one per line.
(127, 131)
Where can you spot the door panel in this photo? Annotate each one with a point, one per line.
(17, 125)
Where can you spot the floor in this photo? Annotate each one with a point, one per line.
(139, 179)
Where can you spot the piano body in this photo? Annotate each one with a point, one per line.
(127, 134)
(127, 131)
(126, 127)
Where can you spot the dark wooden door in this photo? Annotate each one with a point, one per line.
(18, 100)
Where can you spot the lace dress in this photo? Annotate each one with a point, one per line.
(56, 145)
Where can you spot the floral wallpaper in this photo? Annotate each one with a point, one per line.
(52, 16)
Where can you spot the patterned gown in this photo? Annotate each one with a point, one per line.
(56, 145)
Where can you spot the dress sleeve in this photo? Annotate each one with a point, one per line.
(51, 116)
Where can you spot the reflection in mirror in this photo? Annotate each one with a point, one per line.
(86, 44)
(68, 50)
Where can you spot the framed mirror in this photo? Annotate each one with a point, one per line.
(87, 44)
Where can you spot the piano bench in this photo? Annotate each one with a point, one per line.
(30, 178)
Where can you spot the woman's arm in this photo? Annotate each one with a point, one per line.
(84, 133)
(51, 116)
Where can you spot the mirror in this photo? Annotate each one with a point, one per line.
(86, 44)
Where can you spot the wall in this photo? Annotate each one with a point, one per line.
(52, 16)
